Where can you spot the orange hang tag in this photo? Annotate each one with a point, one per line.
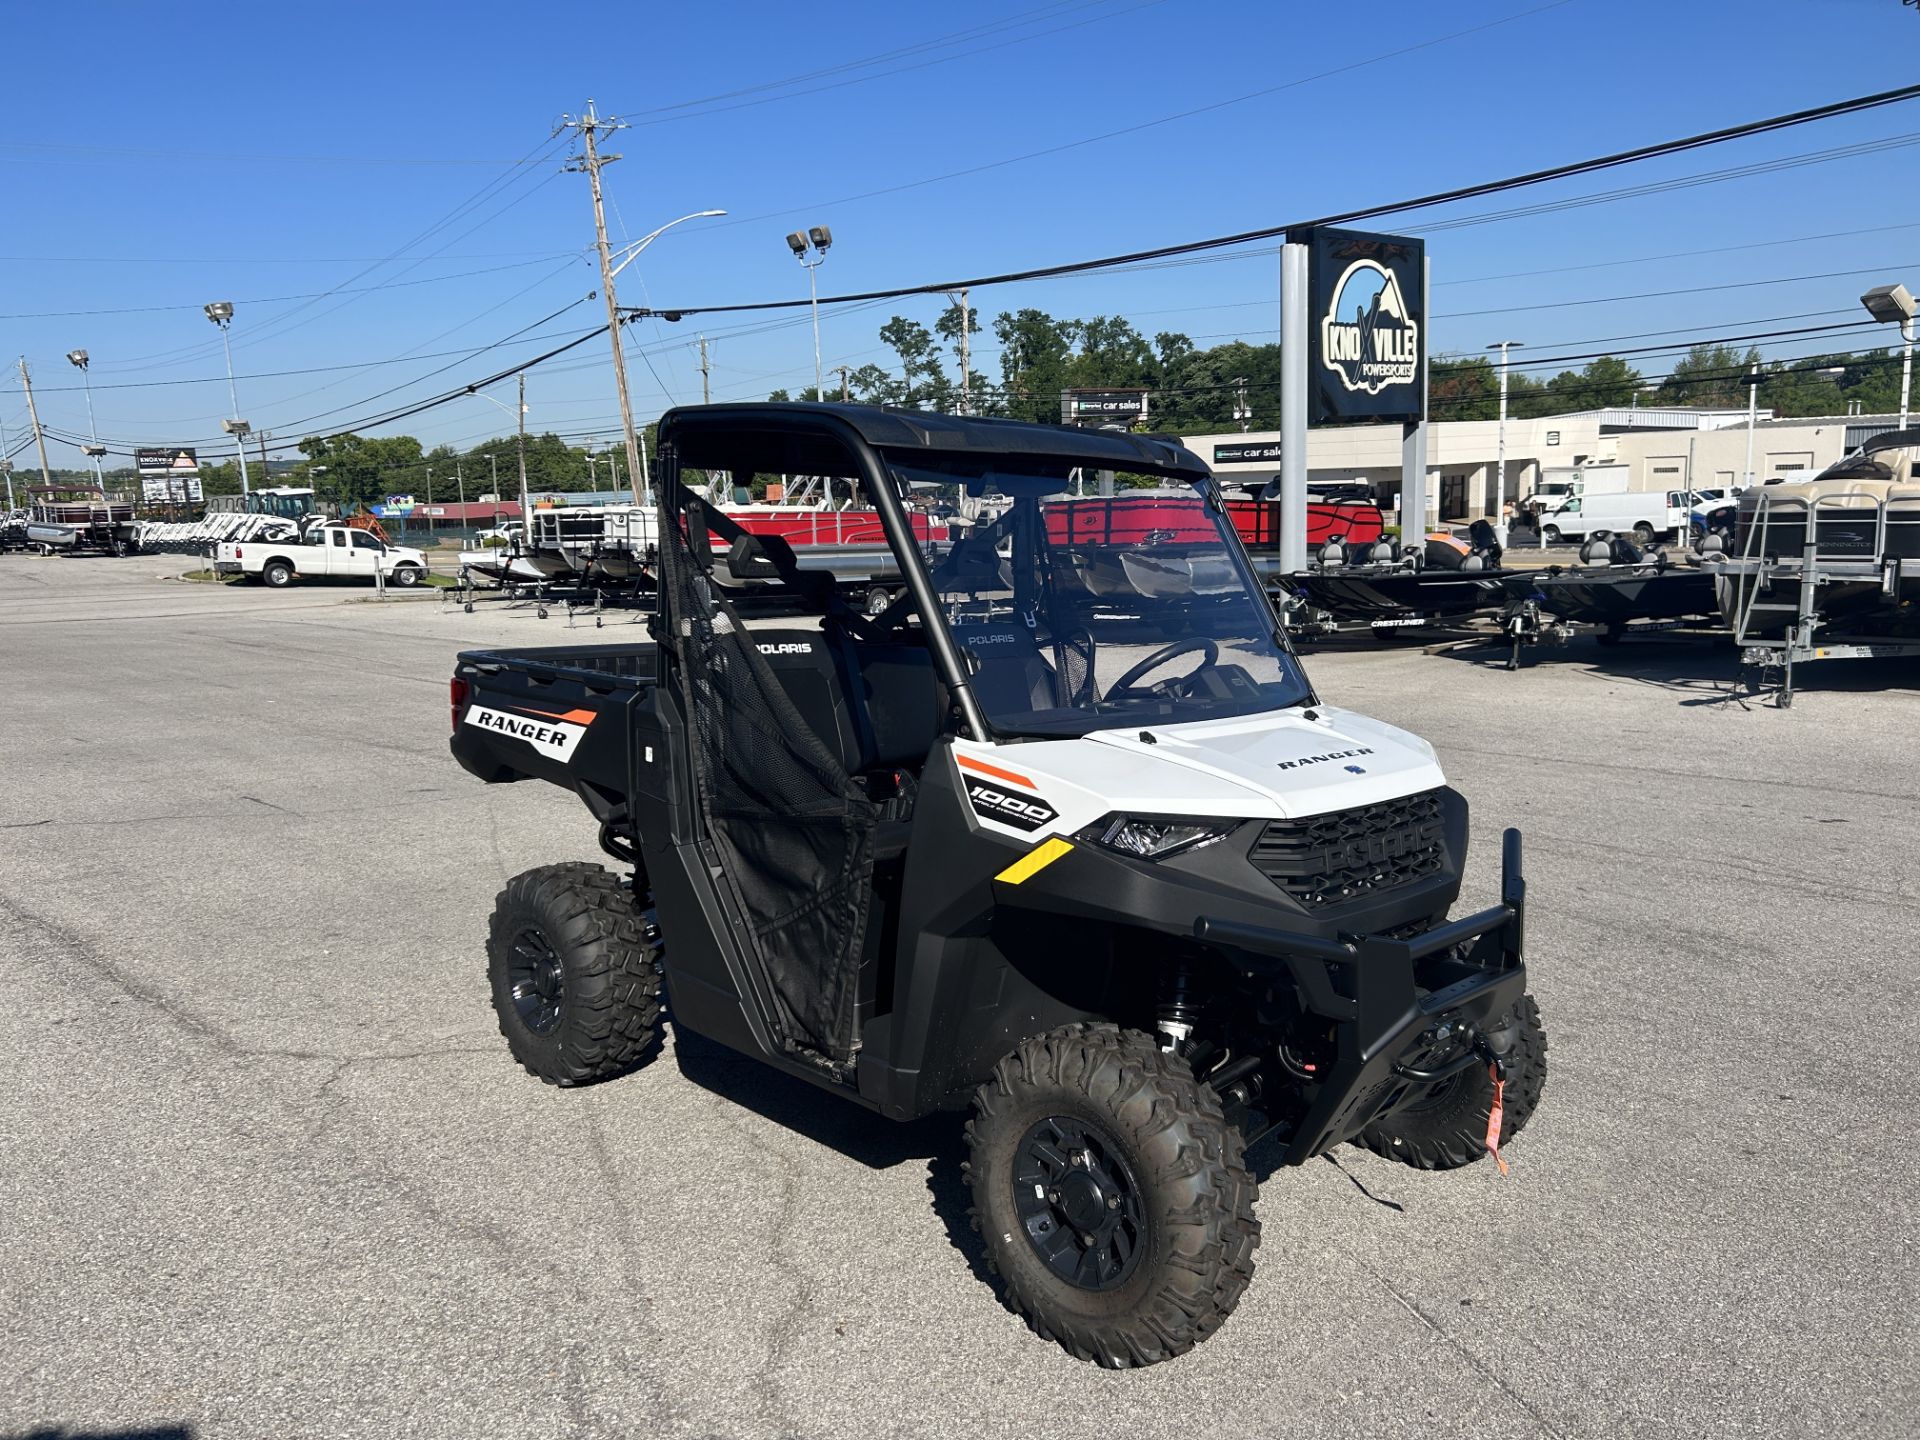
(1494, 1117)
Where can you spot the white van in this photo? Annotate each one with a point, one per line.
(1645, 515)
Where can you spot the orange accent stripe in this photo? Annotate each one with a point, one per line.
(967, 762)
(572, 717)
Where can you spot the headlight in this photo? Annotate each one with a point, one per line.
(1155, 837)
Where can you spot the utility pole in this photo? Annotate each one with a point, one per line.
(1242, 411)
(846, 393)
(589, 127)
(593, 474)
(526, 510)
(6, 463)
(33, 414)
(959, 297)
(263, 436)
(706, 375)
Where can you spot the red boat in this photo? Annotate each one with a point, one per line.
(1354, 522)
(1133, 519)
(803, 525)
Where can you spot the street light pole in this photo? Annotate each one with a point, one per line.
(1906, 370)
(590, 125)
(94, 451)
(526, 510)
(1500, 485)
(1753, 415)
(220, 312)
(814, 241)
(1893, 304)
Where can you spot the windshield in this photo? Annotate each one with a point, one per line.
(1076, 613)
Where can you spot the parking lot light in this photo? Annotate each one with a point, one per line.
(220, 312)
(1893, 305)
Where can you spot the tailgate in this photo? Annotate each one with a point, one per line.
(556, 715)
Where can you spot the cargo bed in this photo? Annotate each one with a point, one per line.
(552, 713)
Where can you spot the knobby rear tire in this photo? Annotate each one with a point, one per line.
(1189, 1162)
(609, 952)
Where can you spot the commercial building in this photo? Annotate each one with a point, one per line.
(1669, 448)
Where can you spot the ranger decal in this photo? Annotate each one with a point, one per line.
(552, 735)
(1321, 759)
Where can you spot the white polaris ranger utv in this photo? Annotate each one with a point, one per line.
(1062, 835)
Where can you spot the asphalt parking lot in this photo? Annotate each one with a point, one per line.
(267, 1169)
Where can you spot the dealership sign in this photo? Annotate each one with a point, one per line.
(168, 473)
(1103, 409)
(1252, 452)
(180, 460)
(1366, 335)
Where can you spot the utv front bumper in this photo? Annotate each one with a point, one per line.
(1382, 1018)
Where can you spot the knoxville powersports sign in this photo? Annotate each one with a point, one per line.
(1367, 326)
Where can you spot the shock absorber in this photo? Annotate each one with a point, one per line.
(1178, 1008)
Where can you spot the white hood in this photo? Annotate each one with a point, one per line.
(1276, 765)
(1301, 767)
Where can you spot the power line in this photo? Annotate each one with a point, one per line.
(1589, 166)
(1666, 294)
(285, 299)
(1173, 118)
(281, 324)
(663, 117)
(1847, 234)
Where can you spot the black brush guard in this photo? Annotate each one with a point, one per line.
(1365, 985)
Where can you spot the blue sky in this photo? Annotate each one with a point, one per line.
(165, 156)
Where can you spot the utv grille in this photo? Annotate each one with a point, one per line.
(1325, 859)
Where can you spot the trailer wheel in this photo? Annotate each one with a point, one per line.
(1447, 1128)
(276, 574)
(1113, 1195)
(574, 965)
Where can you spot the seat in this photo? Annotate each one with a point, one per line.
(1009, 673)
(874, 706)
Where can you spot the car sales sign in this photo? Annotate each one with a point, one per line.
(1367, 326)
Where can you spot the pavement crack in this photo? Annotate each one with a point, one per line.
(1460, 1348)
(786, 1329)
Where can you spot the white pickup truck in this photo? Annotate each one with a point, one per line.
(333, 549)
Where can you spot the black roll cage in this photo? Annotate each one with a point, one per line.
(843, 425)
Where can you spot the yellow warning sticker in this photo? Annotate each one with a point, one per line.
(1034, 861)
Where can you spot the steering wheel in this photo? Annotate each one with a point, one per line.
(1161, 656)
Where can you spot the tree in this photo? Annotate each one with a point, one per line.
(361, 469)
(1710, 375)
(1035, 350)
(925, 385)
(1605, 383)
(1463, 387)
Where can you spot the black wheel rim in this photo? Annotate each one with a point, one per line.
(536, 982)
(1079, 1203)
